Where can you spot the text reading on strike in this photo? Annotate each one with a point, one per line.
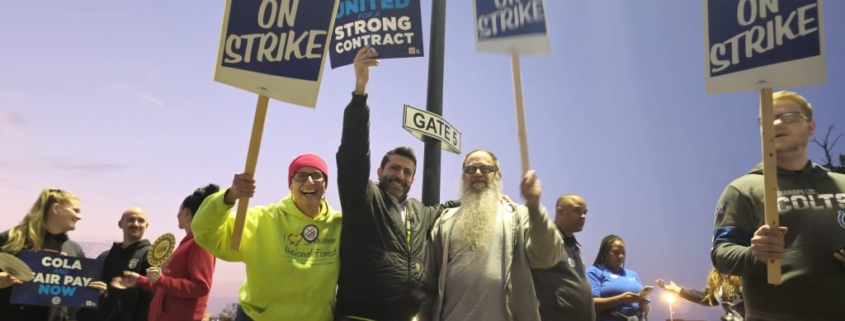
(759, 39)
(510, 15)
(275, 45)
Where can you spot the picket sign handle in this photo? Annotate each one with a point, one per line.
(770, 178)
(520, 112)
(251, 162)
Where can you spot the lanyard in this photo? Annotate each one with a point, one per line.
(408, 226)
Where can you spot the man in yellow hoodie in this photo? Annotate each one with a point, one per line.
(290, 249)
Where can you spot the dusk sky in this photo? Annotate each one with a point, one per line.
(115, 102)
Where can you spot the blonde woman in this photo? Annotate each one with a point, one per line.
(721, 289)
(44, 228)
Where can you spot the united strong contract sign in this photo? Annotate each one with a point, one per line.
(393, 27)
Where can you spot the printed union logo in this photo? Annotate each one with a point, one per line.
(571, 262)
(57, 300)
(133, 263)
(842, 219)
(310, 233)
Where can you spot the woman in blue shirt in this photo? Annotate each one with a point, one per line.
(615, 288)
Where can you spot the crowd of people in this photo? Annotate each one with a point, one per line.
(384, 256)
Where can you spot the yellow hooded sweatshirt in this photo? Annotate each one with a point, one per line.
(292, 261)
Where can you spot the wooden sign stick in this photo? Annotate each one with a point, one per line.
(770, 178)
(251, 162)
(520, 112)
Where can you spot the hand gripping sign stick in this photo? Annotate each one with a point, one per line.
(251, 163)
(770, 175)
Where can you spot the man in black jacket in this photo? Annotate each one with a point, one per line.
(383, 252)
(564, 291)
(129, 255)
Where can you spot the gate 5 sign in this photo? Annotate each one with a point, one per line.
(420, 122)
(757, 44)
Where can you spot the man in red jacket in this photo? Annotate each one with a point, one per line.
(183, 283)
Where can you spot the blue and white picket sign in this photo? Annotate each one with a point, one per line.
(392, 27)
(511, 26)
(276, 48)
(58, 281)
(758, 44)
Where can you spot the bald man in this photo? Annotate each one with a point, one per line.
(129, 255)
(564, 290)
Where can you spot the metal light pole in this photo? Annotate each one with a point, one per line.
(434, 101)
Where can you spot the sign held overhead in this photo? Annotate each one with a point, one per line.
(275, 48)
(511, 26)
(758, 44)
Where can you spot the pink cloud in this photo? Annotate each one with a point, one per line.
(11, 120)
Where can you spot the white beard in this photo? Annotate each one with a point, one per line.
(476, 218)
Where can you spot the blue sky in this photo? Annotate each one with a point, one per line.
(115, 101)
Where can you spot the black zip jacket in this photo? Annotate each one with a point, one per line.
(14, 312)
(382, 274)
(122, 305)
(563, 290)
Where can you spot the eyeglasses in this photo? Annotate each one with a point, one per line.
(485, 169)
(788, 117)
(303, 176)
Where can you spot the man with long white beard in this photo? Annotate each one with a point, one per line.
(484, 250)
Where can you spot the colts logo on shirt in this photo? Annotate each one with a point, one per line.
(841, 219)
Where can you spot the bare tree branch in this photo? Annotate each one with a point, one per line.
(827, 146)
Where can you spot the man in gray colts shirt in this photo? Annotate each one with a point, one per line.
(485, 249)
(811, 211)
